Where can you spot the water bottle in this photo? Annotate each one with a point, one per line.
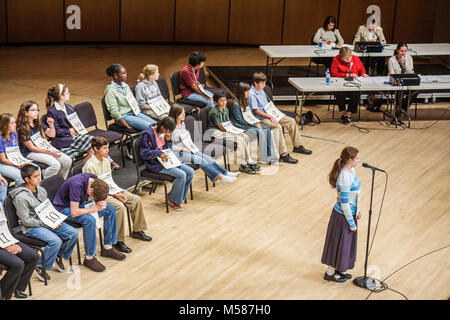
(382, 45)
(327, 77)
(320, 43)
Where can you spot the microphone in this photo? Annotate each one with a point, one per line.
(349, 78)
(365, 165)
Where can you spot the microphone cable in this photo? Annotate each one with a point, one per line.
(384, 286)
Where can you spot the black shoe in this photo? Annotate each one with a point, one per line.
(288, 159)
(141, 236)
(122, 247)
(247, 169)
(20, 295)
(345, 275)
(346, 119)
(255, 167)
(335, 277)
(302, 150)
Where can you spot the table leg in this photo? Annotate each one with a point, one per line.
(301, 109)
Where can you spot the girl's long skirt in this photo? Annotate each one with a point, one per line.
(340, 244)
(81, 143)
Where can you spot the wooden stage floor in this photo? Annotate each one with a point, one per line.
(262, 237)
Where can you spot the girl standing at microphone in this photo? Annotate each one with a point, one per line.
(339, 252)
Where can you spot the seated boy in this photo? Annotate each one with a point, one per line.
(216, 117)
(257, 99)
(71, 200)
(98, 164)
(60, 241)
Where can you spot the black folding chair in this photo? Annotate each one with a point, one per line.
(209, 148)
(87, 116)
(52, 185)
(210, 140)
(176, 91)
(129, 134)
(79, 169)
(13, 222)
(155, 178)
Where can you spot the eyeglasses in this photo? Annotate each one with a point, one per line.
(34, 110)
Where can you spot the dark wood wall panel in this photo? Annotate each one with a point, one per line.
(148, 20)
(415, 21)
(353, 14)
(256, 21)
(303, 17)
(2, 21)
(99, 20)
(441, 25)
(35, 20)
(201, 21)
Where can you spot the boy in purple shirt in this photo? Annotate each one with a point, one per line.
(71, 200)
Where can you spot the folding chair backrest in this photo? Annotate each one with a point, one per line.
(10, 213)
(137, 152)
(133, 90)
(106, 114)
(204, 118)
(162, 84)
(268, 90)
(77, 169)
(52, 185)
(202, 76)
(86, 113)
(44, 122)
(175, 81)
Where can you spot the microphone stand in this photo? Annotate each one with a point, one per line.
(365, 281)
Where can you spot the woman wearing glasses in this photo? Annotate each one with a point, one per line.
(29, 126)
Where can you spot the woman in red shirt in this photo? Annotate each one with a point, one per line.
(341, 68)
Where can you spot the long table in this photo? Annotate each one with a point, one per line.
(370, 84)
(310, 51)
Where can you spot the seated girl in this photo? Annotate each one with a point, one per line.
(213, 170)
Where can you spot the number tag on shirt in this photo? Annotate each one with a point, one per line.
(49, 215)
(42, 143)
(76, 123)
(159, 105)
(172, 160)
(228, 126)
(133, 103)
(98, 223)
(188, 143)
(13, 154)
(6, 238)
(113, 187)
(249, 117)
(273, 111)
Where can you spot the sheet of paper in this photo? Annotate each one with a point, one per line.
(49, 215)
(42, 143)
(113, 187)
(76, 123)
(430, 78)
(172, 160)
(133, 103)
(249, 117)
(98, 223)
(273, 111)
(6, 238)
(228, 126)
(204, 91)
(159, 105)
(13, 154)
(188, 143)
